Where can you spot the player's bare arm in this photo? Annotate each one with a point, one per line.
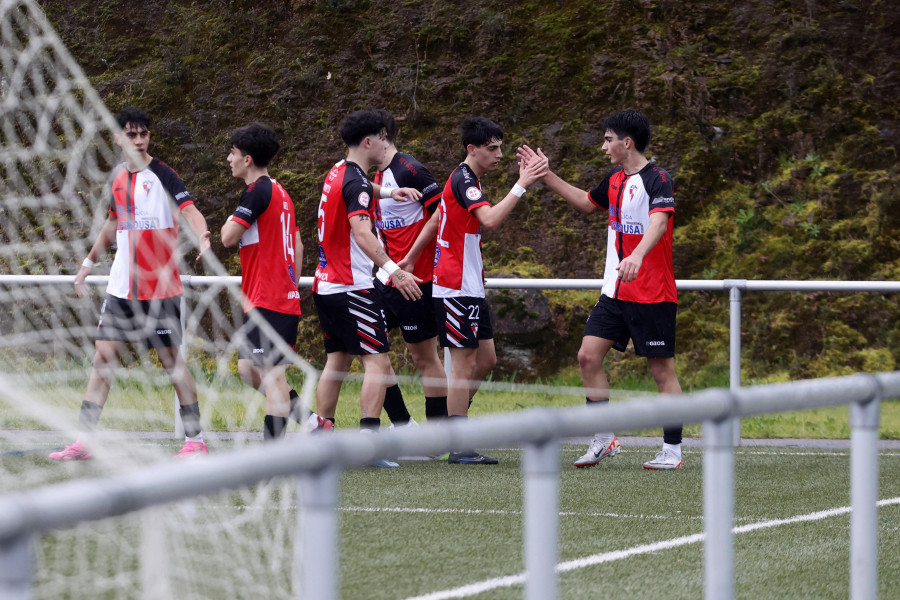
(298, 253)
(425, 239)
(492, 216)
(231, 233)
(630, 265)
(104, 239)
(404, 194)
(197, 223)
(405, 282)
(571, 194)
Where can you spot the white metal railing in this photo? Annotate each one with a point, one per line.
(734, 287)
(317, 462)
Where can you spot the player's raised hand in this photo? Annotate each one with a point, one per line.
(532, 165)
(525, 154)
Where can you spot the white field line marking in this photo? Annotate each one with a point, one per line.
(476, 511)
(596, 559)
(834, 453)
(466, 511)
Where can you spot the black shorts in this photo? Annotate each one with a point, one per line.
(415, 318)
(352, 322)
(257, 345)
(462, 321)
(650, 326)
(155, 323)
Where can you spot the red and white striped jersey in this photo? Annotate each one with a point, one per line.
(343, 266)
(631, 199)
(458, 266)
(398, 224)
(146, 205)
(268, 278)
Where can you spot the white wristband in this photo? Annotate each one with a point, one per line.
(88, 263)
(384, 192)
(517, 190)
(391, 267)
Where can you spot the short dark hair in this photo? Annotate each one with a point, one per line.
(359, 124)
(390, 124)
(479, 131)
(258, 140)
(630, 123)
(132, 115)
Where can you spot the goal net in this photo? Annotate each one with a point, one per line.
(56, 155)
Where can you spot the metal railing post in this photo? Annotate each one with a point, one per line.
(540, 468)
(16, 569)
(178, 431)
(718, 509)
(864, 418)
(734, 344)
(317, 539)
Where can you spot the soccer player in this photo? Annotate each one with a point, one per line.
(638, 300)
(265, 229)
(350, 313)
(398, 225)
(143, 298)
(462, 314)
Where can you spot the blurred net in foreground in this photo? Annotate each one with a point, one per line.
(56, 154)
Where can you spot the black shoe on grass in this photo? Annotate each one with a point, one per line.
(470, 458)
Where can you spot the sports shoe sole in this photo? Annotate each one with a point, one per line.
(650, 467)
(472, 460)
(59, 457)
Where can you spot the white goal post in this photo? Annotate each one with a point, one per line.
(56, 155)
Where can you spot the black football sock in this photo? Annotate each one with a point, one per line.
(370, 424)
(672, 435)
(435, 407)
(274, 428)
(296, 408)
(394, 405)
(89, 416)
(190, 419)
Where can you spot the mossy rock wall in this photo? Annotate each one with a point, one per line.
(778, 119)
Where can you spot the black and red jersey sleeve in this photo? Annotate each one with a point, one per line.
(172, 183)
(357, 191)
(254, 202)
(416, 175)
(466, 188)
(660, 189)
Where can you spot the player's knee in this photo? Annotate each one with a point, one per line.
(589, 361)
(245, 370)
(424, 359)
(663, 372)
(488, 361)
(378, 364)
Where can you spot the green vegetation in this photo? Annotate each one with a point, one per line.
(777, 119)
(228, 405)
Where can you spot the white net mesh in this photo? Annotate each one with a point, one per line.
(56, 154)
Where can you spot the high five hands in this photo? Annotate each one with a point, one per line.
(532, 165)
